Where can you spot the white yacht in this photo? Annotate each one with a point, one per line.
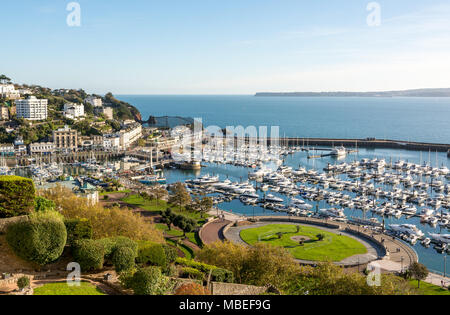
(444, 238)
(339, 151)
(333, 212)
(406, 228)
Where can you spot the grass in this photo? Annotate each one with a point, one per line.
(332, 248)
(115, 192)
(63, 288)
(187, 251)
(428, 289)
(192, 236)
(161, 205)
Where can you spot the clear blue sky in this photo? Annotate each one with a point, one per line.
(226, 47)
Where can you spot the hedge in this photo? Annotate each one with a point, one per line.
(40, 240)
(191, 273)
(16, 196)
(78, 229)
(152, 253)
(89, 254)
(217, 274)
(123, 258)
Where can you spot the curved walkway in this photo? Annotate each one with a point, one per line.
(373, 251)
(213, 231)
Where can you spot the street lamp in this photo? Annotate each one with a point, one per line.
(403, 258)
(445, 266)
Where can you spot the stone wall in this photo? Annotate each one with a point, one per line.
(217, 288)
(5, 222)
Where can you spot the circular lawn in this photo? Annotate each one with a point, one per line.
(309, 243)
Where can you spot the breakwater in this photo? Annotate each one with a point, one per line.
(363, 143)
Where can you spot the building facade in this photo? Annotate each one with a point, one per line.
(4, 113)
(73, 111)
(41, 148)
(131, 134)
(65, 139)
(9, 91)
(107, 111)
(32, 108)
(94, 101)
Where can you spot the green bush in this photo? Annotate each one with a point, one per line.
(23, 282)
(149, 281)
(123, 258)
(122, 241)
(40, 240)
(16, 196)
(191, 273)
(41, 204)
(222, 275)
(89, 254)
(151, 253)
(217, 274)
(170, 252)
(78, 229)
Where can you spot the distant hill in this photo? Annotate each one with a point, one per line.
(406, 93)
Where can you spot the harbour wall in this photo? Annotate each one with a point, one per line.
(360, 143)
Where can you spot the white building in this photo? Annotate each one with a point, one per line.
(9, 91)
(42, 148)
(7, 149)
(4, 113)
(73, 111)
(111, 142)
(130, 135)
(32, 108)
(94, 101)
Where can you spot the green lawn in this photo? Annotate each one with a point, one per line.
(161, 205)
(192, 236)
(332, 248)
(63, 288)
(188, 252)
(115, 192)
(428, 289)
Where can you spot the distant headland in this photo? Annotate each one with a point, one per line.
(405, 93)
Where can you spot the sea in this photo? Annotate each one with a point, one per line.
(411, 119)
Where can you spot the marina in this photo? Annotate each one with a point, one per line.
(377, 189)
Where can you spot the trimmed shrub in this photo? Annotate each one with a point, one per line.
(149, 281)
(171, 253)
(23, 282)
(123, 258)
(217, 274)
(89, 254)
(192, 273)
(78, 229)
(152, 253)
(16, 196)
(40, 240)
(122, 241)
(222, 275)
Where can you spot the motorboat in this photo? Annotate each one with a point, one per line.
(407, 228)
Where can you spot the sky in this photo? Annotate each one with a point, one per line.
(227, 47)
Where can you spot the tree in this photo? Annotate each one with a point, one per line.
(180, 196)
(160, 193)
(206, 205)
(320, 237)
(168, 217)
(418, 272)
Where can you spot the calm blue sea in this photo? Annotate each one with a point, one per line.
(415, 119)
